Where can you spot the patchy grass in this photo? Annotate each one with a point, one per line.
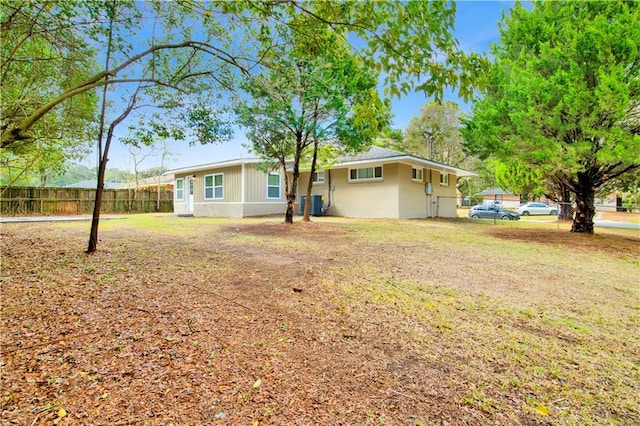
(196, 321)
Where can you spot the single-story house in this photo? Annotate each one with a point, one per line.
(378, 183)
(498, 195)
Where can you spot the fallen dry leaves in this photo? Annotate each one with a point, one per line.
(242, 323)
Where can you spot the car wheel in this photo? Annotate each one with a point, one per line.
(474, 216)
(505, 218)
(525, 213)
(553, 213)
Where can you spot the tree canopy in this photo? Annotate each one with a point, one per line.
(308, 95)
(563, 96)
(435, 134)
(41, 55)
(404, 40)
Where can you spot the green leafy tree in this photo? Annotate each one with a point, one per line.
(519, 178)
(403, 40)
(435, 134)
(309, 95)
(563, 97)
(188, 45)
(37, 61)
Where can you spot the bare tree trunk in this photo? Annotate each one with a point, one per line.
(102, 156)
(307, 205)
(291, 195)
(95, 220)
(585, 208)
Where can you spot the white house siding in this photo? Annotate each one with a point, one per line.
(180, 206)
(255, 198)
(228, 205)
(256, 186)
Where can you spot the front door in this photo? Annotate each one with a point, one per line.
(190, 195)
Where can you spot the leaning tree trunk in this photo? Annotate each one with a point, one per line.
(97, 204)
(307, 206)
(585, 208)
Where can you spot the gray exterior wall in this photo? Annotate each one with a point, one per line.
(244, 193)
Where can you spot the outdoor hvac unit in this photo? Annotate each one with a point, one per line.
(316, 205)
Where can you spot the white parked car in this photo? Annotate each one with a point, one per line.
(537, 208)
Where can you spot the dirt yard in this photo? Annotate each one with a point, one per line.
(252, 322)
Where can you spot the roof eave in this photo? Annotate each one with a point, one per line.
(408, 159)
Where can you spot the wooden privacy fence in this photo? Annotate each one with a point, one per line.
(48, 201)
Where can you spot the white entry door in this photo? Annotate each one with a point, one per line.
(190, 196)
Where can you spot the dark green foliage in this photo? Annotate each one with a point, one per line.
(563, 97)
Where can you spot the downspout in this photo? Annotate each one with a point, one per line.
(429, 195)
(328, 191)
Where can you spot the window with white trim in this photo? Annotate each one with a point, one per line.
(214, 186)
(273, 185)
(318, 177)
(366, 173)
(416, 174)
(180, 189)
(444, 179)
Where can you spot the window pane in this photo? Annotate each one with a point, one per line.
(218, 192)
(179, 184)
(365, 173)
(378, 172)
(208, 193)
(208, 180)
(354, 174)
(274, 179)
(273, 192)
(218, 180)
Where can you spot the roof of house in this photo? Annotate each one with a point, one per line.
(494, 191)
(374, 155)
(377, 154)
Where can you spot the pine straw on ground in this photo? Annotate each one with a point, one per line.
(335, 322)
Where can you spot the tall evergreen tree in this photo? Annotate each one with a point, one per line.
(563, 96)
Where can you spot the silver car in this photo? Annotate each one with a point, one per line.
(490, 211)
(537, 209)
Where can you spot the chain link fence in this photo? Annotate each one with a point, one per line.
(605, 216)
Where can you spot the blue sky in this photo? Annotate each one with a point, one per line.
(476, 28)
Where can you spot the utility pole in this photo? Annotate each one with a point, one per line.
(428, 134)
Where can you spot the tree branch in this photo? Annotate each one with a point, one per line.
(19, 131)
